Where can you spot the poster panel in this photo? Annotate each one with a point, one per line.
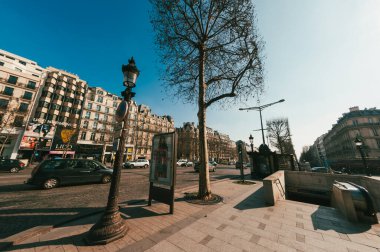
(65, 139)
(163, 154)
(28, 143)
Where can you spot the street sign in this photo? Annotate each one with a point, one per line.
(121, 111)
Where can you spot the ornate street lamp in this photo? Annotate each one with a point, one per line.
(359, 144)
(261, 108)
(111, 225)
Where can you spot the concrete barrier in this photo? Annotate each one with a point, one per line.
(309, 182)
(274, 187)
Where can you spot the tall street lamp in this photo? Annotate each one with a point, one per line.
(251, 141)
(359, 144)
(261, 108)
(111, 226)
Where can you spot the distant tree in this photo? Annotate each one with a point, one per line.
(279, 135)
(210, 50)
(308, 154)
(7, 125)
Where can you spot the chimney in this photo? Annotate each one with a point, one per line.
(356, 108)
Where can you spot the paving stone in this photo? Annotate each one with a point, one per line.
(255, 238)
(186, 244)
(300, 238)
(205, 240)
(221, 246)
(166, 246)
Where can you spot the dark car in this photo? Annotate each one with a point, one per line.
(52, 173)
(210, 167)
(11, 165)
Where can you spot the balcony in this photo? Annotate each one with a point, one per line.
(42, 109)
(73, 81)
(76, 116)
(77, 106)
(45, 99)
(53, 75)
(72, 87)
(62, 78)
(54, 112)
(79, 97)
(70, 94)
(51, 80)
(49, 89)
(68, 104)
(65, 113)
(60, 92)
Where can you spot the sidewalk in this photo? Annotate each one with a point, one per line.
(241, 223)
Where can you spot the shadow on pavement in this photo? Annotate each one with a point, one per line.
(255, 200)
(17, 188)
(14, 221)
(327, 218)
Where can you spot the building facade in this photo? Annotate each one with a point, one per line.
(339, 142)
(20, 82)
(97, 127)
(220, 147)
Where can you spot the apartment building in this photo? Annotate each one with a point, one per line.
(20, 82)
(97, 129)
(145, 127)
(58, 113)
(220, 147)
(339, 141)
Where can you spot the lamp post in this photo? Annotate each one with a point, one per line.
(261, 108)
(359, 144)
(251, 141)
(111, 226)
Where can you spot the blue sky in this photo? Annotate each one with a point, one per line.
(322, 57)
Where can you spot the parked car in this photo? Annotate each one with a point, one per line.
(210, 167)
(320, 169)
(188, 164)
(182, 162)
(11, 165)
(55, 172)
(213, 163)
(245, 165)
(142, 163)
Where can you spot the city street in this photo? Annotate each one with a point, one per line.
(24, 206)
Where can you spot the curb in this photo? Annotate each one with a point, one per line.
(40, 230)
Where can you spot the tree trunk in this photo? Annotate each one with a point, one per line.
(204, 191)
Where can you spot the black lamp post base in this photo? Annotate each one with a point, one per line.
(109, 228)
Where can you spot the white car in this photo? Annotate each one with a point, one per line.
(143, 163)
(182, 162)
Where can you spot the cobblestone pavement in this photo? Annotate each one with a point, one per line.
(241, 223)
(23, 206)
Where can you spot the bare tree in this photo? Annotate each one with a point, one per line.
(279, 135)
(210, 50)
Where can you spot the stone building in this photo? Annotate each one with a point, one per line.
(220, 147)
(145, 126)
(339, 141)
(20, 81)
(97, 127)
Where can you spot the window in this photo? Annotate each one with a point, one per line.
(23, 107)
(95, 125)
(12, 79)
(92, 138)
(89, 106)
(88, 115)
(1, 118)
(100, 99)
(8, 91)
(102, 137)
(85, 124)
(374, 131)
(378, 143)
(28, 95)
(4, 103)
(370, 120)
(115, 104)
(9, 57)
(31, 85)
(83, 136)
(35, 75)
(106, 118)
(355, 122)
(96, 116)
(107, 110)
(55, 106)
(1, 63)
(18, 69)
(18, 121)
(98, 107)
(22, 62)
